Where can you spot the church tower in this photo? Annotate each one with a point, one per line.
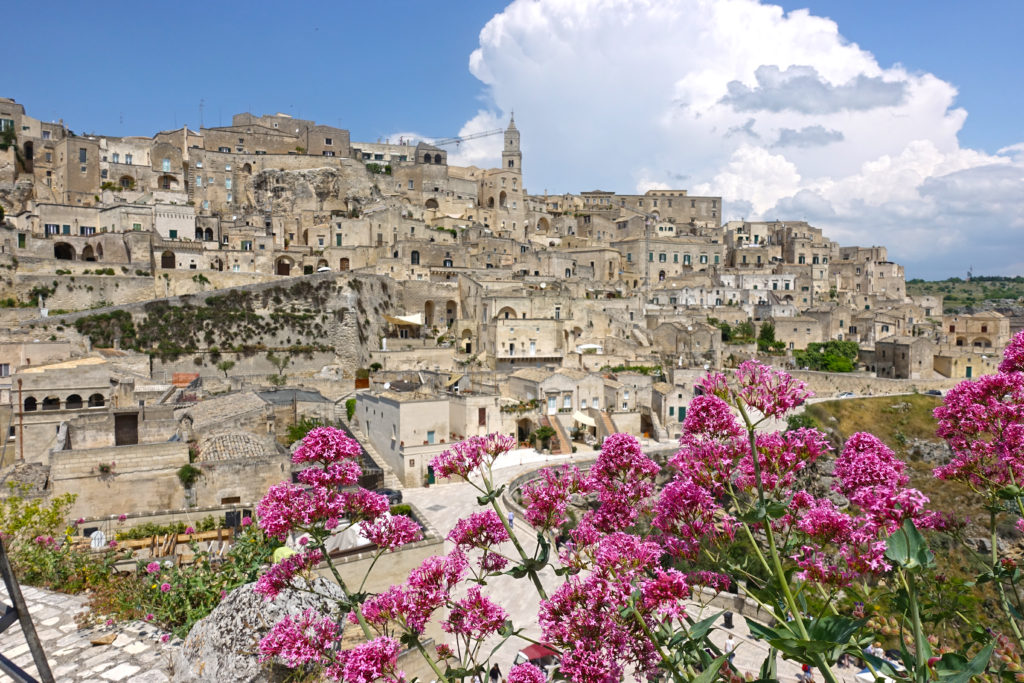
(511, 157)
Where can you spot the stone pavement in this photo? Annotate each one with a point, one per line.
(136, 654)
(445, 504)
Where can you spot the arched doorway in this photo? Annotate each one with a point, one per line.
(167, 182)
(543, 225)
(247, 169)
(524, 427)
(467, 341)
(431, 203)
(502, 198)
(451, 311)
(126, 182)
(167, 260)
(208, 234)
(428, 314)
(27, 156)
(322, 263)
(343, 264)
(426, 158)
(284, 266)
(508, 313)
(99, 252)
(199, 233)
(88, 254)
(63, 251)
(490, 202)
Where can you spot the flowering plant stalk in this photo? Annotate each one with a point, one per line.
(617, 598)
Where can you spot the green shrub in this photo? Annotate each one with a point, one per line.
(350, 408)
(188, 474)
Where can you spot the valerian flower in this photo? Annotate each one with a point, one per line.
(389, 532)
(476, 616)
(300, 640)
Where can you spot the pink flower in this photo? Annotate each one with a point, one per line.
(389, 532)
(526, 673)
(189, 530)
(223, 594)
(372, 660)
(332, 475)
(112, 544)
(865, 462)
(246, 521)
(665, 593)
(480, 530)
(327, 445)
(279, 576)
(152, 567)
(80, 520)
(466, 456)
(109, 622)
(300, 640)
(149, 617)
(304, 540)
(165, 637)
(688, 516)
(623, 478)
(122, 517)
(475, 616)
(1013, 357)
(772, 392)
(165, 587)
(546, 499)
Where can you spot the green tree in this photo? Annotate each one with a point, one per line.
(224, 366)
(766, 342)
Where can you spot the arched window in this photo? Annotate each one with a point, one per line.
(426, 158)
(661, 275)
(73, 402)
(30, 404)
(96, 401)
(568, 272)
(437, 158)
(208, 234)
(51, 403)
(167, 260)
(414, 258)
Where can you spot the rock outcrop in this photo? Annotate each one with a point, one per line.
(225, 645)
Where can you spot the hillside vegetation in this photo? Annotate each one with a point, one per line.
(958, 293)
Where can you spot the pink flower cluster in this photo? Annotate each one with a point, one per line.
(465, 457)
(546, 499)
(623, 478)
(288, 507)
(480, 530)
(475, 616)
(389, 532)
(279, 576)
(411, 605)
(526, 673)
(303, 640)
(1013, 357)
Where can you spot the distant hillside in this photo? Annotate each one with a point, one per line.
(959, 293)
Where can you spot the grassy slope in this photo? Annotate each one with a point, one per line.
(895, 426)
(958, 293)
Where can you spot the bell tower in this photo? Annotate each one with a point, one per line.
(511, 157)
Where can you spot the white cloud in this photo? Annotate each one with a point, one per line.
(776, 112)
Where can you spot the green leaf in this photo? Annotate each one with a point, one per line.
(761, 631)
(490, 497)
(701, 628)
(545, 549)
(775, 509)
(1009, 492)
(908, 548)
(753, 515)
(710, 672)
(951, 670)
(834, 629)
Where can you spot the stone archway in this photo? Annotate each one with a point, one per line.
(284, 266)
(63, 251)
(167, 261)
(343, 264)
(431, 203)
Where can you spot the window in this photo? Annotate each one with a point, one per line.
(235, 268)
(650, 256)
(328, 153)
(662, 257)
(128, 159)
(337, 240)
(46, 135)
(229, 196)
(136, 227)
(567, 402)
(50, 229)
(703, 258)
(686, 259)
(103, 173)
(227, 183)
(246, 245)
(174, 234)
(671, 411)
(328, 141)
(167, 165)
(227, 167)
(410, 185)
(206, 203)
(49, 157)
(629, 258)
(320, 241)
(224, 149)
(82, 154)
(199, 181)
(116, 158)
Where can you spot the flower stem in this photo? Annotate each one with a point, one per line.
(676, 676)
(519, 548)
(1004, 602)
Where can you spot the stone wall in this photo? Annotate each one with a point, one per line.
(246, 479)
(142, 477)
(828, 384)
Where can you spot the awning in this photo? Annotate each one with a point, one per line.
(405, 319)
(453, 380)
(583, 418)
(536, 651)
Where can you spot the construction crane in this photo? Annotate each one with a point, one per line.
(472, 136)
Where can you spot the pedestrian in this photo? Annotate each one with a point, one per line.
(730, 647)
(495, 673)
(511, 519)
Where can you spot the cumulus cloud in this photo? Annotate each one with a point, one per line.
(776, 112)
(811, 136)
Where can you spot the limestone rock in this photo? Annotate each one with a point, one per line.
(225, 645)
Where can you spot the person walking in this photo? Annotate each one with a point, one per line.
(730, 647)
(495, 673)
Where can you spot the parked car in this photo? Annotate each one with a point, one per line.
(847, 394)
(933, 392)
(394, 497)
(323, 269)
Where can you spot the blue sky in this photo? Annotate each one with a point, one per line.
(902, 142)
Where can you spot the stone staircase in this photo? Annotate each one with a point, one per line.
(605, 426)
(660, 433)
(391, 480)
(562, 445)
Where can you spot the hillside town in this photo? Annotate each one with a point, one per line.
(183, 299)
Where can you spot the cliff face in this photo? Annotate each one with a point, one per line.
(316, 189)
